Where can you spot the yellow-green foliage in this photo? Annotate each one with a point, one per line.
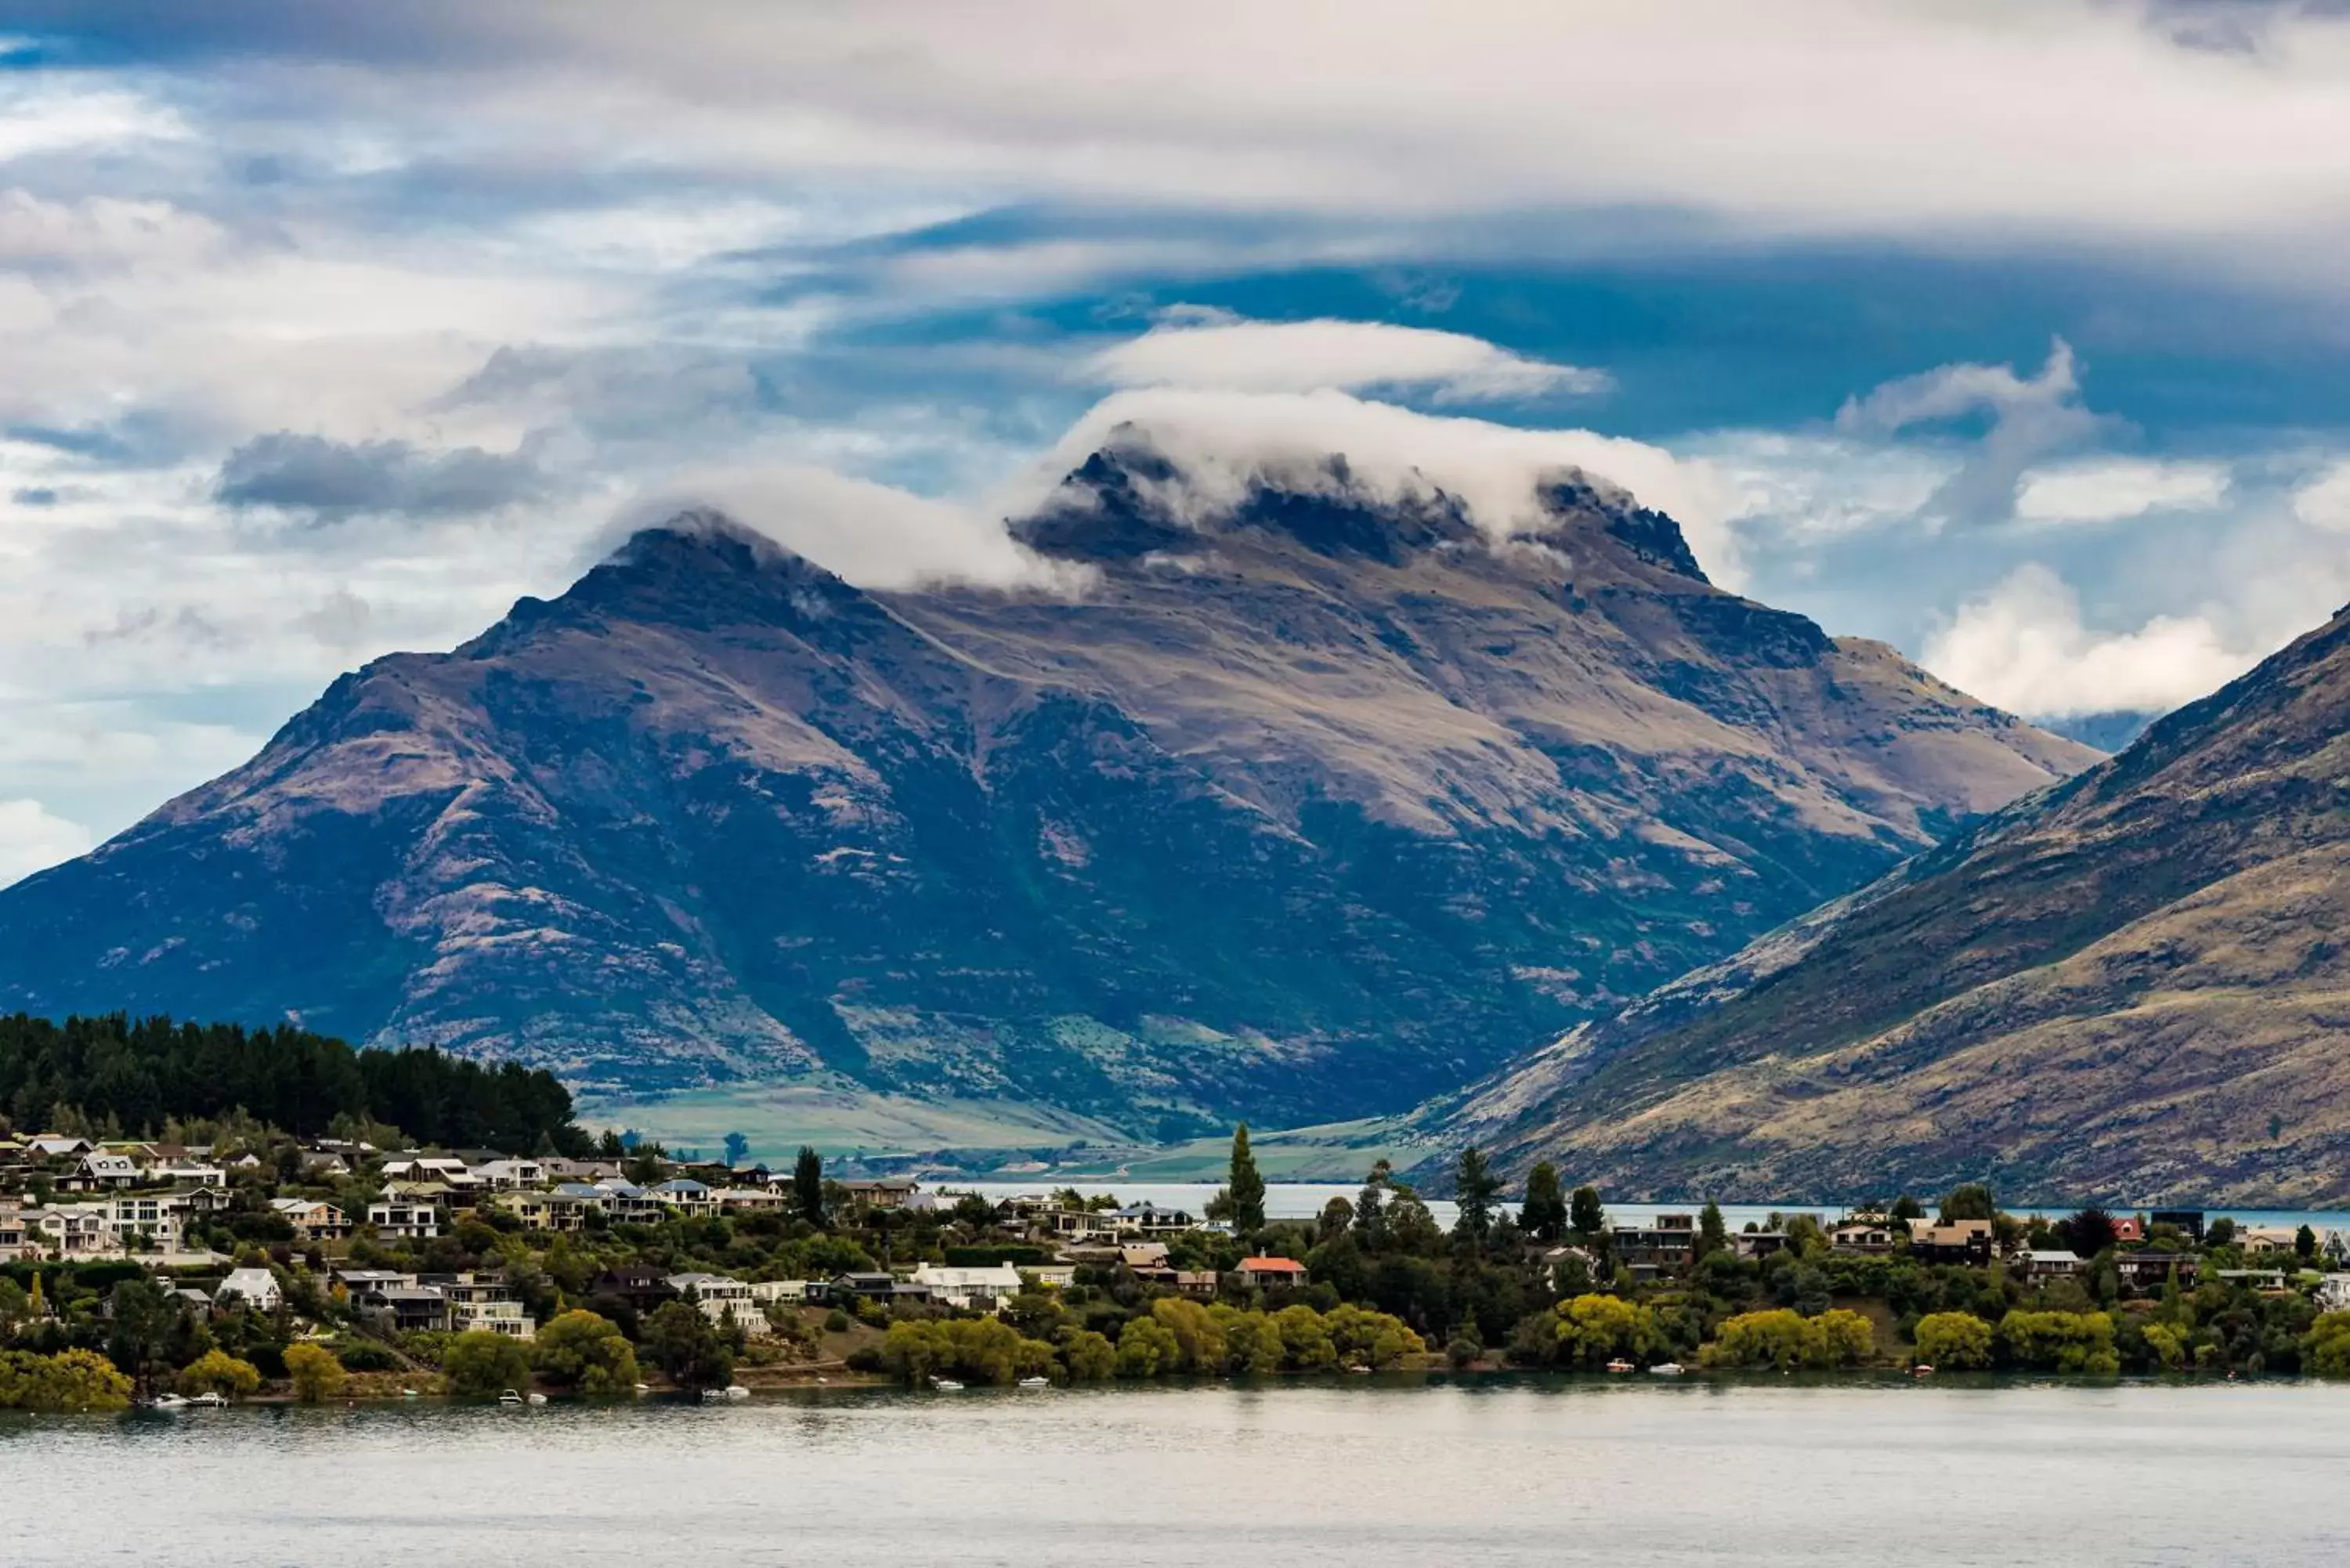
(579, 1349)
(1786, 1340)
(1088, 1357)
(218, 1372)
(2060, 1342)
(316, 1373)
(1954, 1341)
(2168, 1344)
(974, 1350)
(479, 1362)
(2327, 1345)
(1181, 1336)
(70, 1380)
(1594, 1329)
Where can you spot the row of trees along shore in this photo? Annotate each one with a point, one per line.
(1385, 1287)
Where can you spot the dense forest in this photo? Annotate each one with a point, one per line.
(134, 1075)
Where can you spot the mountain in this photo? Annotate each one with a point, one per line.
(2133, 986)
(1303, 805)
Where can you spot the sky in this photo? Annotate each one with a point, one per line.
(2013, 334)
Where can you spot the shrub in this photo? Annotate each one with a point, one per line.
(316, 1373)
(1088, 1357)
(366, 1355)
(69, 1380)
(1785, 1339)
(483, 1363)
(2060, 1342)
(835, 1322)
(218, 1372)
(2325, 1350)
(1954, 1341)
(1594, 1329)
(580, 1350)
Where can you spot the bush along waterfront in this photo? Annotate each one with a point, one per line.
(234, 1259)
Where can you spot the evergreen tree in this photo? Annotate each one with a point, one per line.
(1585, 1213)
(1543, 1214)
(808, 1185)
(1474, 1188)
(1371, 1206)
(1712, 1233)
(1246, 1186)
(737, 1146)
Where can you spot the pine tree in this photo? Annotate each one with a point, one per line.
(1544, 1213)
(1712, 1232)
(1587, 1217)
(1474, 1187)
(1246, 1186)
(807, 1184)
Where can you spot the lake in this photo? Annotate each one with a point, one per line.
(1363, 1472)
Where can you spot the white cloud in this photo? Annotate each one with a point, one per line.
(2031, 417)
(2105, 490)
(1223, 439)
(2325, 502)
(1348, 356)
(33, 839)
(2023, 647)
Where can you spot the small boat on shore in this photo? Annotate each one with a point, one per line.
(167, 1402)
(1921, 1370)
(946, 1386)
(508, 1396)
(1666, 1369)
(1619, 1366)
(208, 1400)
(1035, 1383)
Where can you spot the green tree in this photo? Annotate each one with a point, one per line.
(144, 1316)
(218, 1372)
(1594, 1329)
(807, 1185)
(1712, 1232)
(2325, 1349)
(2060, 1342)
(1146, 1349)
(1542, 1216)
(72, 1380)
(2304, 1243)
(2089, 1233)
(1953, 1341)
(737, 1146)
(1089, 1357)
(1370, 1207)
(481, 1363)
(1475, 1188)
(317, 1374)
(1970, 1202)
(687, 1346)
(1786, 1340)
(1246, 1186)
(578, 1349)
(1585, 1213)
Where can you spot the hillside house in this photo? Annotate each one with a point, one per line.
(1270, 1273)
(254, 1288)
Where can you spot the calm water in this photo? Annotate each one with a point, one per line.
(1356, 1473)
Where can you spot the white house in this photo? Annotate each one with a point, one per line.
(101, 1169)
(686, 1196)
(255, 1288)
(188, 1173)
(508, 1174)
(404, 1218)
(313, 1220)
(483, 1303)
(2334, 1293)
(717, 1296)
(793, 1291)
(630, 1204)
(982, 1289)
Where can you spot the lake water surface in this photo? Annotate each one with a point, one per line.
(1364, 1471)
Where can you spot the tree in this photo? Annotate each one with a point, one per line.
(1905, 1208)
(218, 1372)
(1246, 1186)
(145, 1316)
(1712, 1232)
(1089, 1357)
(1475, 1188)
(737, 1146)
(2221, 1232)
(1585, 1213)
(1594, 1329)
(317, 1374)
(481, 1363)
(2060, 1342)
(2326, 1348)
(581, 1350)
(2089, 1233)
(80, 1380)
(807, 1185)
(1543, 1214)
(1786, 1340)
(1970, 1202)
(2304, 1243)
(1146, 1348)
(1370, 1206)
(688, 1346)
(1953, 1341)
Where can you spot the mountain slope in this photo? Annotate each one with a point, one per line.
(2133, 986)
(1303, 807)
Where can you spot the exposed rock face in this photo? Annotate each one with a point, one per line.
(2132, 987)
(1307, 808)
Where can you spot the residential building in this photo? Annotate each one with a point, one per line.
(558, 1169)
(630, 1204)
(313, 1219)
(505, 1175)
(1050, 1276)
(188, 1173)
(565, 1208)
(2128, 1229)
(357, 1282)
(14, 1240)
(643, 1289)
(483, 1303)
(789, 1292)
(1148, 1220)
(2334, 1293)
(2149, 1271)
(751, 1200)
(404, 1219)
(1270, 1273)
(2266, 1240)
(886, 1192)
(971, 1288)
(71, 1230)
(720, 1299)
(1758, 1243)
(1199, 1284)
(1081, 1225)
(404, 1309)
(254, 1288)
(1670, 1246)
(685, 1197)
(57, 1145)
(2048, 1263)
(2188, 1223)
(1968, 1241)
(102, 1168)
(1864, 1236)
(1143, 1255)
